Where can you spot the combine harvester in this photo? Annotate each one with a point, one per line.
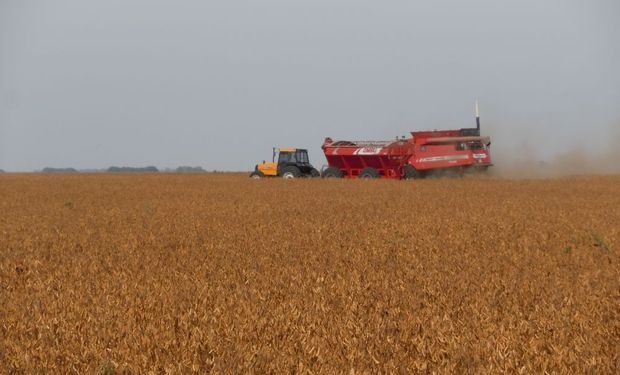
(426, 153)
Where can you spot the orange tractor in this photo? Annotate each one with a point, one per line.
(292, 163)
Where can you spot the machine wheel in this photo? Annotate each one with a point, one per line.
(314, 173)
(332, 172)
(369, 173)
(291, 172)
(411, 173)
(257, 175)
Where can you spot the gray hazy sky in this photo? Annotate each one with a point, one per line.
(91, 84)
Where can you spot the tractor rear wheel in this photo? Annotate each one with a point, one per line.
(257, 174)
(314, 173)
(369, 173)
(332, 172)
(291, 172)
(411, 173)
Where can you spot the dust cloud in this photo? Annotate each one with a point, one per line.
(518, 160)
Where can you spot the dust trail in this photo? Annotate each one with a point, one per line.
(520, 162)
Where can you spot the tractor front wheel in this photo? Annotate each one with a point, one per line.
(291, 172)
(257, 174)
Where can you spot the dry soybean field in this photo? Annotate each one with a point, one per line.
(217, 273)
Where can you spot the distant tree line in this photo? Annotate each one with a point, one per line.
(59, 170)
(115, 169)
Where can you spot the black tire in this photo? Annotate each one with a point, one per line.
(291, 172)
(410, 173)
(369, 173)
(257, 174)
(332, 172)
(314, 173)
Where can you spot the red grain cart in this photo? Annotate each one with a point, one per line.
(426, 153)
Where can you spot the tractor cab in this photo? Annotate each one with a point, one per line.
(291, 163)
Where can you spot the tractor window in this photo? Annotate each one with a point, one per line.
(302, 157)
(294, 157)
(461, 146)
(286, 157)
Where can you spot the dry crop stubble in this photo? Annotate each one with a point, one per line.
(220, 273)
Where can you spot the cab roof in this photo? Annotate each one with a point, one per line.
(290, 149)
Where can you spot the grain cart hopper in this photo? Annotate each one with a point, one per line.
(292, 163)
(425, 153)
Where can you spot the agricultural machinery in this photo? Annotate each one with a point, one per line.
(425, 153)
(292, 163)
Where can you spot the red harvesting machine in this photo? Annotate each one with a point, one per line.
(426, 153)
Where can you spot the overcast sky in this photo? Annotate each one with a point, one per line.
(90, 84)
